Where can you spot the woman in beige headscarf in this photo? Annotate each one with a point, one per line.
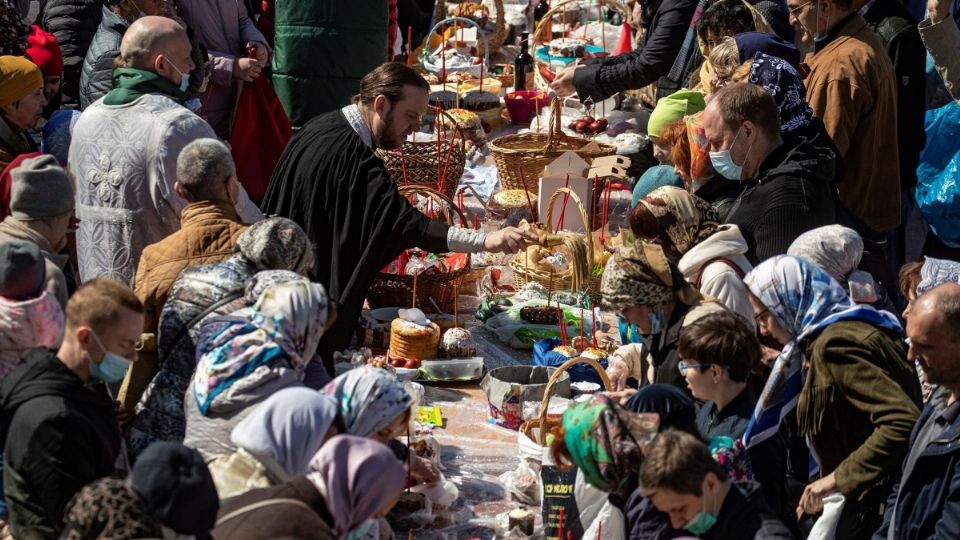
(647, 290)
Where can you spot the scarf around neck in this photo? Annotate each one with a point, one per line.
(131, 83)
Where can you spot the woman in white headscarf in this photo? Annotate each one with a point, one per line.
(276, 441)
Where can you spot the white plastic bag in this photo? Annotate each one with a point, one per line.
(826, 526)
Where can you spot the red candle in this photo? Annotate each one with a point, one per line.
(560, 526)
(409, 45)
(563, 207)
(593, 204)
(593, 324)
(526, 192)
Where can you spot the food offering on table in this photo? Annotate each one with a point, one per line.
(517, 331)
(416, 278)
(443, 99)
(588, 125)
(509, 389)
(513, 205)
(568, 47)
(555, 352)
(458, 343)
(413, 335)
(473, 129)
(486, 105)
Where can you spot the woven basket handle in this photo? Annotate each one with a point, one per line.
(583, 216)
(554, 131)
(555, 378)
(456, 127)
(471, 22)
(558, 6)
(447, 208)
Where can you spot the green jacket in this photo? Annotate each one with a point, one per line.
(858, 405)
(321, 51)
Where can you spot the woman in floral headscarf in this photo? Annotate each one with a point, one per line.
(245, 357)
(199, 294)
(709, 255)
(645, 289)
(844, 367)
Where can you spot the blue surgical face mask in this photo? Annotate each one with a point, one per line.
(703, 521)
(723, 162)
(361, 530)
(112, 368)
(184, 79)
(656, 321)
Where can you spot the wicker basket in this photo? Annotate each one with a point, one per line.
(531, 152)
(420, 346)
(392, 290)
(421, 164)
(536, 430)
(498, 37)
(524, 273)
(538, 38)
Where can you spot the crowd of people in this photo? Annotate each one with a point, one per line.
(167, 342)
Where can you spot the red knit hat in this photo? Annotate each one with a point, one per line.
(44, 51)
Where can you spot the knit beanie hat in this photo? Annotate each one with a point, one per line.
(18, 77)
(177, 488)
(40, 189)
(44, 51)
(654, 177)
(22, 270)
(674, 107)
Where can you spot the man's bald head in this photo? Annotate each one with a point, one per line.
(934, 332)
(944, 302)
(153, 43)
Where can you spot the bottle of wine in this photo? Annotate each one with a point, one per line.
(523, 66)
(539, 11)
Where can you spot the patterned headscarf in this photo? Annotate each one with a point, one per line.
(369, 399)
(109, 508)
(288, 426)
(606, 441)
(28, 324)
(936, 272)
(804, 300)
(277, 244)
(355, 476)
(782, 81)
(286, 323)
(700, 167)
(640, 275)
(261, 280)
(684, 219)
(837, 250)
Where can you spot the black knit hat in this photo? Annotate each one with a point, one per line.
(177, 488)
(22, 270)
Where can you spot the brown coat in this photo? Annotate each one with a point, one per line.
(278, 520)
(852, 88)
(208, 234)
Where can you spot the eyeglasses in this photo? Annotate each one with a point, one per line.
(684, 366)
(758, 318)
(796, 9)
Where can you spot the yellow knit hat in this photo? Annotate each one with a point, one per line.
(18, 77)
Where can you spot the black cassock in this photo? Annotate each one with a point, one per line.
(340, 192)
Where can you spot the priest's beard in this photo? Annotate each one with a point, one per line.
(391, 134)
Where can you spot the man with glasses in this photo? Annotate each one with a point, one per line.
(851, 86)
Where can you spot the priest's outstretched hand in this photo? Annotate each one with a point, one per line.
(508, 240)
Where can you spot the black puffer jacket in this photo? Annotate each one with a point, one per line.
(59, 435)
(792, 193)
(649, 63)
(96, 78)
(74, 22)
